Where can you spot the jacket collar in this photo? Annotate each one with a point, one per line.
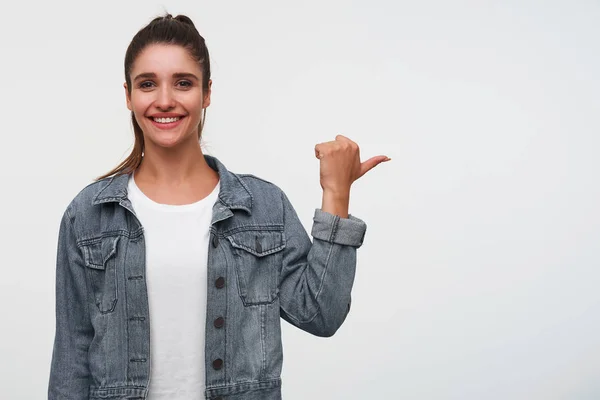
(233, 192)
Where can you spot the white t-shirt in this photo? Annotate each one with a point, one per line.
(176, 238)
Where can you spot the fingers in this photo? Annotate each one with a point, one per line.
(341, 143)
(342, 138)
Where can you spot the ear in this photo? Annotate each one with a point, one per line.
(206, 99)
(127, 98)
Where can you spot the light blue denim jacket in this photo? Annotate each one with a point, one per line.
(262, 266)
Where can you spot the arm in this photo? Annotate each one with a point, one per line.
(336, 203)
(69, 370)
(316, 278)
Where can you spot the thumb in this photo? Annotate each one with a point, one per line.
(372, 163)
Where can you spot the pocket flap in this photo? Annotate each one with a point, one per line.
(259, 243)
(98, 251)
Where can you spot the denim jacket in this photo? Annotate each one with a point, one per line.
(262, 267)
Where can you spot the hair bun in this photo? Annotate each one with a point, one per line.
(184, 19)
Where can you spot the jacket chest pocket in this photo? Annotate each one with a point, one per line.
(258, 256)
(100, 256)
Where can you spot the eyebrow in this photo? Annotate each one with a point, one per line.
(152, 75)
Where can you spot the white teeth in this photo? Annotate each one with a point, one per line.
(166, 120)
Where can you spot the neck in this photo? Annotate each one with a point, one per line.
(171, 168)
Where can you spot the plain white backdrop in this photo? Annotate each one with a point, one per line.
(479, 274)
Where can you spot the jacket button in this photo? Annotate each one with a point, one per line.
(215, 241)
(218, 363)
(219, 322)
(220, 282)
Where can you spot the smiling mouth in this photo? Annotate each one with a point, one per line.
(165, 120)
(166, 123)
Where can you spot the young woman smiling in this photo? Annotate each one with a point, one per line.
(173, 273)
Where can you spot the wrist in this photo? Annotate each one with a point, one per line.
(337, 193)
(336, 202)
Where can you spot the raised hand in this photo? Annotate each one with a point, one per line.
(340, 166)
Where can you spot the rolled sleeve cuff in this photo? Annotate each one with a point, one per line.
(334, 229)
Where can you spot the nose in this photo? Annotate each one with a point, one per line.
(165, 99)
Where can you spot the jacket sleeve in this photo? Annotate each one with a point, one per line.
(316, 278)
(69, 369)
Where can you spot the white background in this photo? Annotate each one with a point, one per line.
(479, 274)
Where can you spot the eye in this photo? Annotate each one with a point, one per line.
(186, 83)
(144, 85)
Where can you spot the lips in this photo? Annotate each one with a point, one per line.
(166, 125)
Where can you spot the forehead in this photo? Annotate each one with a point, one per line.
(165, 59)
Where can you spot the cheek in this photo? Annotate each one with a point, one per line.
(139, 106)
(193, 102)
(139, 97)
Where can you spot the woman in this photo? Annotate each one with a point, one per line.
(172, 272)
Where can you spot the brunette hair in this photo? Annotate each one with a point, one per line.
(166, 29)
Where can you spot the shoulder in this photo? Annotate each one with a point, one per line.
(258, 185)
(266, 195)
(82, 202)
